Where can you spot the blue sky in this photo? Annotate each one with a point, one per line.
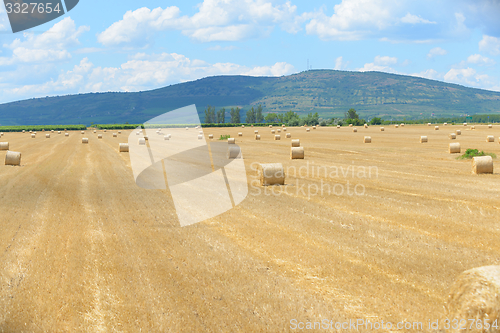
(132, 46)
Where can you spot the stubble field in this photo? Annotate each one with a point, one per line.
(84, 249)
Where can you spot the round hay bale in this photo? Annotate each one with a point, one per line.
(142, 141)
(314, 127)
(452, 136)
(13, 158)
(257, 137)
(138, 133)
(273, 131)
(95, 131)
(84, 132)
(366, 125)
(473, 127)
(33, 135)
(482, 164)
(423, 139)
(242, 126)
(454, 148)
(444, 124)
(284, 129)
(436, 128)
(66, 134)
(282, 125)
(308, 130)
(146, 138)
(115, 135)
(233, 152)
(165, 137)
(279, 131)
(475, 294)
(256, 132)
(99, 136)
(490, 126)
(367, 139)
(465, 124)
(47, 136)
(277, 137)
(354, 129)
(295, 143)
(85, 140)
(270, 126)
(490, 138)
(123, 147)
(119, 132)
(169, 135)
(58, 132)
(200, 132)
(187, 128)
(240, 134)
(458, 132)
(338, 126)
(288, 135)
(104, 130)
(396, 126)
(429, 124)
(52, 131)
(200, 137)
(382, 129)
(297, 153)
(4, 146)
(271, 174)
(23, 131)
(402, 125)
(210, 136)
(350, 125)
(231, 141)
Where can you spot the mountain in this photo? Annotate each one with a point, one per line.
(328, 92)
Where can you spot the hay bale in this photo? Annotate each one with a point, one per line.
(123, 147)
(169, 135)
(242, 126)
(490, 138)
(473, 127)
(314, 127)
(146, 138)
(256, 132)
(231, 141)
(295, 143)
(240, 134)
(85, 140)
(66, 134)
(367, 139)
(52, 131)
(257, 137)
(490, 126)
(396, 126)
(338, 126)
(58, 132)
(354, 129)
(142, 141)
(279, 131)
(99, 136)
(454, 148)
(308, 130)
(277, 137)
(119, 132)
(138, 133)
(270, 126)
(423, 139)
(210, 136)
(475, 294)
(458, 132)
(271, 174)
(273, 131)
(436, 128)
(4, 146)
(104, 130)
(429, 124)
(115, 135)
(165, 137)
(284, 129)
(23, 131)
(452, 136)
(200, 132)
(282, 125)
(444, 124)
(47, 136)
(350, 125)
(13, 158)
(402, 125)
(188, 128)
(482, 164)
(233, 152)
(382, 129)
(288, 135)
(200, 137)
(95, 131)
(465, 124)
(366, 125)
(84, 132)
(297, 153)
(33, 135)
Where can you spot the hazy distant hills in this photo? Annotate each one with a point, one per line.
(328, 92)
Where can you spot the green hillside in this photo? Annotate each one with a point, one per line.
(328, 92)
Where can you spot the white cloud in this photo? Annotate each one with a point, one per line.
(429, 74)
(216, 20)
(437, 51)
(385, 60)
(460, 27)
(339, 63)
(380, 64)
(480, 60)
(414, 19)
(490, 44)
(468, 76)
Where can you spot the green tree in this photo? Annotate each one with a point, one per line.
(271, 118)
(310, 119)
(235, 115)
(259, 118)
(221, 116)
(376, 121)
(250, 118)
(210, 115)
(351, 114)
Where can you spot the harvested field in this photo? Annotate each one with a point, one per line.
(84, 249)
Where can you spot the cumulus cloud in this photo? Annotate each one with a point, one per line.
(480, 60)
(467, 76)
(414, 19)
(437, 51)
(216, 20)
(490, 44)
(429, 74)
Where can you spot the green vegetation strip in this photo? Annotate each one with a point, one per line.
(42, 127)
(470, 153)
